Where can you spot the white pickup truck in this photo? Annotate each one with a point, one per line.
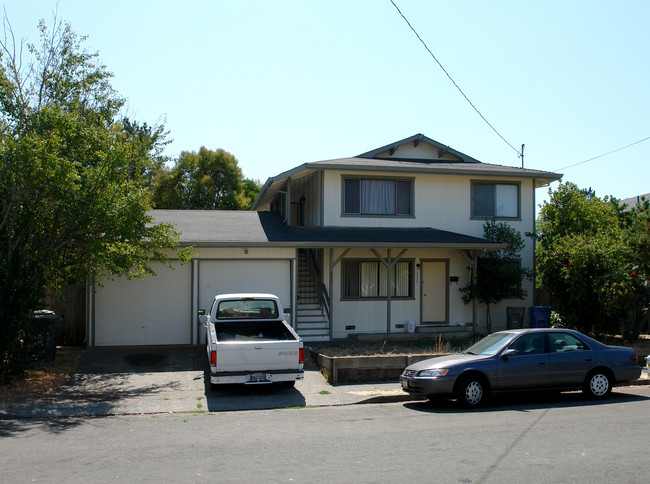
(248, 341)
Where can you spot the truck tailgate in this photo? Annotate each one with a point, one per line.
(238, 356)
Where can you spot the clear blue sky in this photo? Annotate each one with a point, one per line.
(281, 83)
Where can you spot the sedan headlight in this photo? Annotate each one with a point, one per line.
(433, 373)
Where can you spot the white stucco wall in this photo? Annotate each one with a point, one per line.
(442, 202)
(370, 316)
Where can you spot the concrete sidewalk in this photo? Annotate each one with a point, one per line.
(129, 381)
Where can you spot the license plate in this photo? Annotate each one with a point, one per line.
(257, 377)
(405, 384)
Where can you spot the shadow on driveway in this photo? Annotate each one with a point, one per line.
(141, 380)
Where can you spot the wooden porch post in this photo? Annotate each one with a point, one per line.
(389, 276)
(333, 264)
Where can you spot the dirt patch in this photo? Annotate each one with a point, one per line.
(45, 377)
(390, 348)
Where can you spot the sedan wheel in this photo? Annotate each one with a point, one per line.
(597, 385)
(471, 392)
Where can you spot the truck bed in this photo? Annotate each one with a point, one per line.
(242, 331)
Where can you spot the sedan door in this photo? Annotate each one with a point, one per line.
(570, 359)
(528, 367)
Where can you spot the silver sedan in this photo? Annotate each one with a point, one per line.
(523, 359)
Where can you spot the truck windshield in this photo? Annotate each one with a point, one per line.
(247, 309)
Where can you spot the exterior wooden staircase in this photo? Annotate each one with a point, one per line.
(312, 322)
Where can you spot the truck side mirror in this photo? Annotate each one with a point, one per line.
(204, 319)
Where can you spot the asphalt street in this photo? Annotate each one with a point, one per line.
(532, 438)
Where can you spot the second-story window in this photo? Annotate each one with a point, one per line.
(380, 196)
(495, 200)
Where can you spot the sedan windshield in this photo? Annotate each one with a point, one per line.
(489, 345)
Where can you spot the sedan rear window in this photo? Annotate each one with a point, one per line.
(489, 345)
(247, 309)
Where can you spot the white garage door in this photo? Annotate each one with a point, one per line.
(221, 277)
(155, 310)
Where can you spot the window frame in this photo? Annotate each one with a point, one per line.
(494, 183)
(394, 180)
(346, 262)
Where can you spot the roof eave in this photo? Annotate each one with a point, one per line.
(491, 247)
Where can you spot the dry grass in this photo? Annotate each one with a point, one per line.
(45, 377)
(390, 348)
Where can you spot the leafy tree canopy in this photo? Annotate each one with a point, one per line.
(74, 180)
(207, 180)
(591, 259)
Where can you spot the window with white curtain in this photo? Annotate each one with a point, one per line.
(377, 196)
(369, 279)
(495, 200)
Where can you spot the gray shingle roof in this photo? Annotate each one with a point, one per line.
(265, 229)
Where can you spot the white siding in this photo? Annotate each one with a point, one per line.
(370, 316)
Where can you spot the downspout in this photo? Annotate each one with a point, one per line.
(534, 248)
(293, 268)
(196, 324)
(287, 201)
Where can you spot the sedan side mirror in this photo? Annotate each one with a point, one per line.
(507, 353)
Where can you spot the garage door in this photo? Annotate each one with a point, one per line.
(221, 277)
(155, 310)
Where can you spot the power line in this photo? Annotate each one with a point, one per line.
(519, 153)
(604, 154)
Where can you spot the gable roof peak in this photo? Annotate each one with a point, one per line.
(419, 147)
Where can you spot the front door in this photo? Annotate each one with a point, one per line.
(435, 297)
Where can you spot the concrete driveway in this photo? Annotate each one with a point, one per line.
(172, 379)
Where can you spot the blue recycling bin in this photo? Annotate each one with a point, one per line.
(540, 316)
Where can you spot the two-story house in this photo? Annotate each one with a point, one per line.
(380, 243)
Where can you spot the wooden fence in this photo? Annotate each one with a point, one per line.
(70, 304)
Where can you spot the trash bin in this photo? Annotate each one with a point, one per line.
(540, 316)
(46, 324)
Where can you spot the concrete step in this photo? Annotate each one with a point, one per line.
(302, 306)
(307, 338)
(442, 328)
(313, 332)
(314, 323)
(309, 313)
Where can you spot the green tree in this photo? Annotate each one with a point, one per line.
(207, 180)
(74, 181)
(499, 274)
(251, 190)
(586, 260)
